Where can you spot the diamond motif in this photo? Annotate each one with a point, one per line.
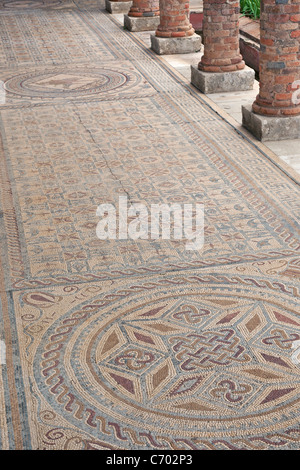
(111, 341)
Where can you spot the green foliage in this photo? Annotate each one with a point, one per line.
(250, 8)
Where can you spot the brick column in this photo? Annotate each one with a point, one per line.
(275, 114)
(116, 6)
(143, 16)
(175, 34)
(221, 37)
(221, 67)
(279, 60)
(146, 8)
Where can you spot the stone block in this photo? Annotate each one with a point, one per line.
(117, 7)
(218, 82)
(267, 128)
(186, 45)
(141, 23)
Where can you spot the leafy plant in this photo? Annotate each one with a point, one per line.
(250, 8)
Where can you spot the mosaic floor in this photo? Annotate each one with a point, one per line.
(136, 344)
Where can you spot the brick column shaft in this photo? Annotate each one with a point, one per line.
(144, 8)
(174, 19)
(221, 37)
(279, 58)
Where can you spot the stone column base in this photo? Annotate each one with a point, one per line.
(176, 45)
(218, 82)
(141, 23)
(117, 7)
(266, 128)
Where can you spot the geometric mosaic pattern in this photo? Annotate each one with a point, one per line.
(136, 344)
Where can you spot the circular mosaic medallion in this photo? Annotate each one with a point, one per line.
(74, 83)
(200, 362)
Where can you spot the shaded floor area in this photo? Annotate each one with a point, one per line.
(129, 343)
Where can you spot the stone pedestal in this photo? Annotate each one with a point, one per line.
(266, 128)
(117, 7)
(141, 23)
(181, 45)
(218, 82)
